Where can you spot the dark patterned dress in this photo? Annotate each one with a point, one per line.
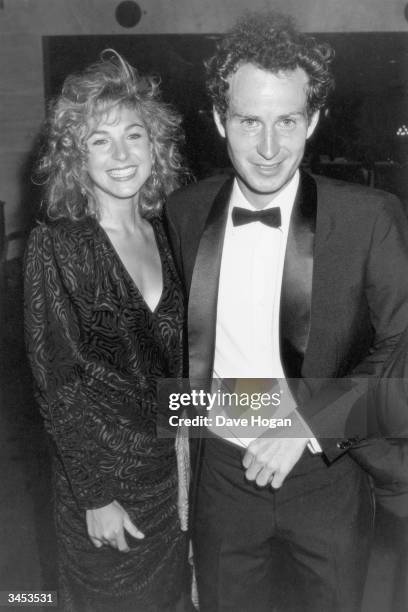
(96, 352)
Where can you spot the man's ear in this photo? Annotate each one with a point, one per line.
(312, 124)
(218, 122)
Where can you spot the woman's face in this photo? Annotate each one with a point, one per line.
(119, 156)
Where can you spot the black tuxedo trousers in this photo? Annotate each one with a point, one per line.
(287, 550)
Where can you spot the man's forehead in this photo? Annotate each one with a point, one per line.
(262, 77)
(251, 87)
(254, 67)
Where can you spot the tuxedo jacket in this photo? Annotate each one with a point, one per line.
(344, 295)
(386, 459)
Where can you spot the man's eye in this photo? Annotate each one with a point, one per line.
(249, 122)
(288, 123)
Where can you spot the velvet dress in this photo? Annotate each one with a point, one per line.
(96, 351)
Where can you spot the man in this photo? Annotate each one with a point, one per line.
(294, 276)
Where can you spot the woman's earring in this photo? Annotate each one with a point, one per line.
(155, 180)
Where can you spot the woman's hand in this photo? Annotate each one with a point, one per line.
(106, 525)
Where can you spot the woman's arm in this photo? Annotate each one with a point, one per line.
(72, 402)
(72, 392)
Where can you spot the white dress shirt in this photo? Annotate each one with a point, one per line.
(247, 330)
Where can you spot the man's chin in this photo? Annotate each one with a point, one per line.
(266, 187)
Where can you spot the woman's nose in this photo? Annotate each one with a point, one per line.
(120, 150)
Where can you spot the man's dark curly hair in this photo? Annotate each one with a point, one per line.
(271, 42)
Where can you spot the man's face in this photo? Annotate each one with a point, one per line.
(266, 129)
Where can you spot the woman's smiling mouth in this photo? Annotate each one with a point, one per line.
(123, 174)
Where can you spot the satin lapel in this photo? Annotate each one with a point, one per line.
(296, 292)
(202, 308)
(321, 351)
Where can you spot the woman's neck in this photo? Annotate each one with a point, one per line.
(121, 216)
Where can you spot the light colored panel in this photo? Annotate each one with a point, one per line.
(352, 15)
(21, 114)
(20, 120)
(20, 63)
(63, 17)
(21, 91)
(188, 16)
(13, 164)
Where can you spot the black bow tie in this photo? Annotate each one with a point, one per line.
(270, 216)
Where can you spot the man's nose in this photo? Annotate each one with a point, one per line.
(268, 144)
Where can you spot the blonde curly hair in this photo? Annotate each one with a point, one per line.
(88, 96)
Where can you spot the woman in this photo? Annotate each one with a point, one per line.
(104, 313)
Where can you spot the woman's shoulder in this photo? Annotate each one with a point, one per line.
(64, 230)
(70, 242)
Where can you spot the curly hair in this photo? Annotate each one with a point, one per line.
(271, 42)
(87, 97)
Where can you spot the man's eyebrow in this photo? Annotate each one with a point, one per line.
(240, 115)
(299, 113)
(243, 115)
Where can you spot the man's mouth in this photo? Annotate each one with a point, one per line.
(268, 168)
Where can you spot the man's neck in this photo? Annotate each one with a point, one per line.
(280, 198)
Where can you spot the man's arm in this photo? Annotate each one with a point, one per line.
(339, 412)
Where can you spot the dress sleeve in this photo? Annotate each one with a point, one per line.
(68, 397)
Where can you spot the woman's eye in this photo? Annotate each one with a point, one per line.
(99, 142)
(134, 136)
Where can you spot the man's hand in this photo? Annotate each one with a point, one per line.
(270, 460)
(106, 525)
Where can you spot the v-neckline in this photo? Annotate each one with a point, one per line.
(126, 271)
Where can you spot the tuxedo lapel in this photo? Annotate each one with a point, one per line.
(296, 293)
(202, 310)
(306, 286)
(297, 279)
